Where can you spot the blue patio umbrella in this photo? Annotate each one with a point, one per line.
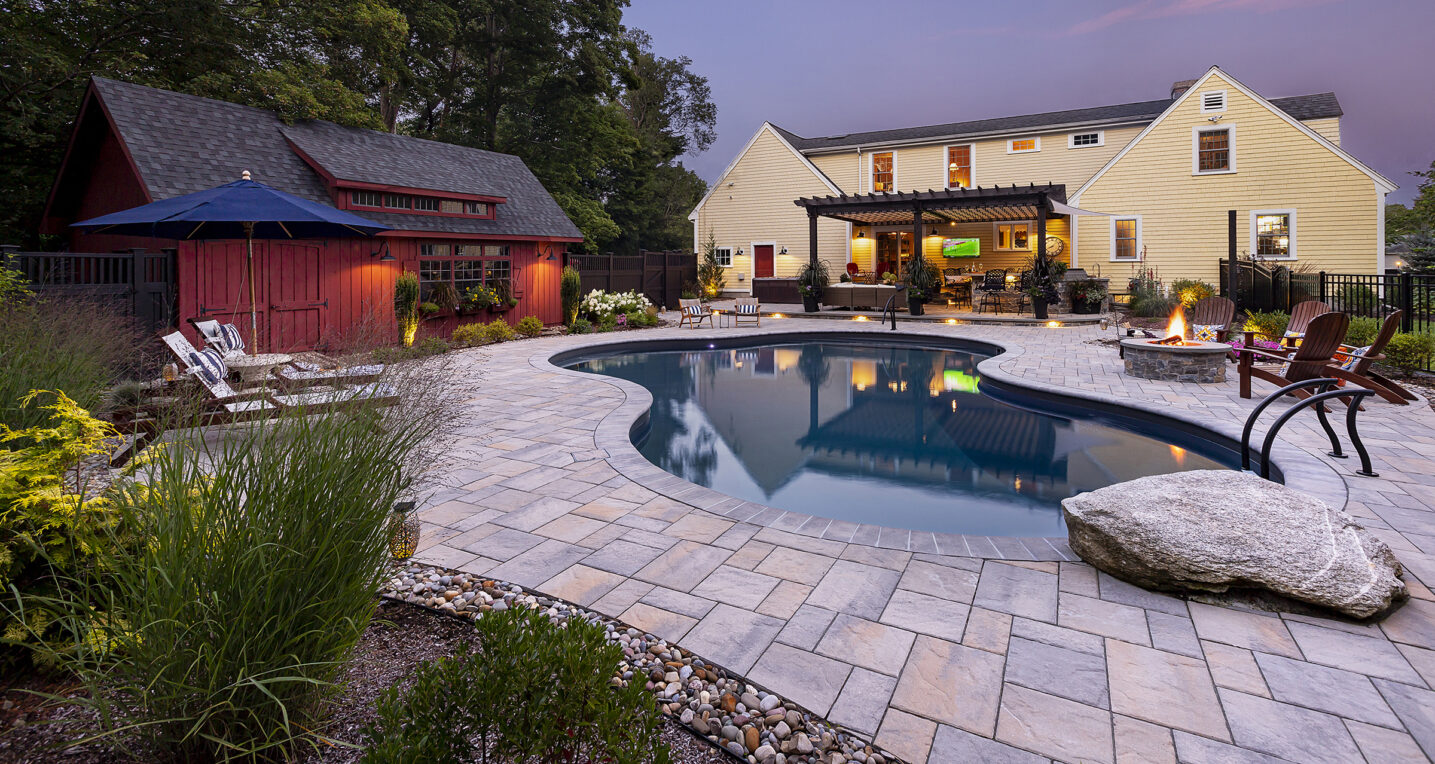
(244, 209)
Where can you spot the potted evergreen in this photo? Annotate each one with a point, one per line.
(811, 280)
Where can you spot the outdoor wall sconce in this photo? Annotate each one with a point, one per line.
(739, 251)
(783, 252)
(861, 234)
(386, 256)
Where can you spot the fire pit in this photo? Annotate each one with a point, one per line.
(1176, 359)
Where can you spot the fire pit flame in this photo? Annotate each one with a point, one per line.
(1175, 329)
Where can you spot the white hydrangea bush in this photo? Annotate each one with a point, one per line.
(599, 304)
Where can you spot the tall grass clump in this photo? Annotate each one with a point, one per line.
(218, 638)
(78, 345)
(570, 287)
(406, 306)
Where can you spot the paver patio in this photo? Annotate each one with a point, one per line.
(945, 648)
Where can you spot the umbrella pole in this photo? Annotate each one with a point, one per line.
(253, 307)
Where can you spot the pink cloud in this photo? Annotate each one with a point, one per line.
(1158, 9)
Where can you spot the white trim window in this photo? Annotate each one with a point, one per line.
(1023, 145)
(1012, 236)
(1126, 238)
(883, 171)
(1213, 150)
(724, 256)
(1213, 101)
(959, 165)
(1273, 234)
(1083, 140)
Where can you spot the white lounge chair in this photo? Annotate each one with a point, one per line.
(226, 339)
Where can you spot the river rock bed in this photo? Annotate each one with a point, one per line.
(734, 715)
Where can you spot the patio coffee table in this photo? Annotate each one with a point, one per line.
(255, 368)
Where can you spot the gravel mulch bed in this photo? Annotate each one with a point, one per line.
(400, 637)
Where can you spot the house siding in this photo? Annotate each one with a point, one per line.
(1329, 129)
(753, 202)
(1184, 216)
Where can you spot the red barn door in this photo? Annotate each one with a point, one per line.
(222, 286)
(297, 304)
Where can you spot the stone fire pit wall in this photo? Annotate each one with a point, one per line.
(1205, 362)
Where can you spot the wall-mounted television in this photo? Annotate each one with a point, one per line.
(961, 247)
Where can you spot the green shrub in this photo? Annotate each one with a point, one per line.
(80, 346)
(498, 331)
(581, 326)
(640, 319)
(406, 306)
(533, 691)
(570, 287)
(218, 638)
(1362, 331)
(1356, 297)
(468, 335)
(1268, 325)
(530, 326)
(51, 530)
(1148, 306)
(432, 346)
(1409, 352)
(606, 323)
(1191, 291)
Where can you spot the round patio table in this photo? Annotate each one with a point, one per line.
(255, 368)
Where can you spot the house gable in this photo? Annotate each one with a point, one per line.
(1277, 164)
(767, 129)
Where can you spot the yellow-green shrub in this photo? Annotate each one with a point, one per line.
(468, 335)
(48, 532)
(498, 331)
(530, 326)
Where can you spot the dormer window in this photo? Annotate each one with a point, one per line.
(476, 208)
(367, 198)
(396, 201)
(421, 203)
(425, 204)
(1213, 100)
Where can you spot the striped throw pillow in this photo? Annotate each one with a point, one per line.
(693, 310)
(747, 309)
(209, 365)
(232, 340)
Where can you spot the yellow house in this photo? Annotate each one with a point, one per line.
(1161, 175)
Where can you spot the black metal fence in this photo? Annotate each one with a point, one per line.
(660, 276)
(142, 283)
(1267, 286)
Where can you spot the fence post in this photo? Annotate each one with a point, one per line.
(136, 271)
(1323, 291)
(1232, 277)
(1407, 301)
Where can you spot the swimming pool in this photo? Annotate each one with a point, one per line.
(885, 433)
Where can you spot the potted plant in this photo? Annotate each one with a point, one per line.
(1042, 292)
(922, 281)
(1087, 296)
(889, 278)
(811, 280)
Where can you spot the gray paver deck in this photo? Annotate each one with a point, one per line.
(1015, 660)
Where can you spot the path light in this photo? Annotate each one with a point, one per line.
(952, 321)
(1053, 324)
(777, 315)
(403, 531)
(859, 318)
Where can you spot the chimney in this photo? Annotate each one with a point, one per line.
(1177, 88)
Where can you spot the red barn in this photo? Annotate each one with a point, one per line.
(460, 215)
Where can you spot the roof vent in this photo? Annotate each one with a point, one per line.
(1179, 87)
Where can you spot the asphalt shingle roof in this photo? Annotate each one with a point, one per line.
(1317, 106)
(183, 143)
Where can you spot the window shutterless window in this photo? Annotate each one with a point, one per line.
(1213, 150)
(1273, 234)
(426, 203)
(883, 172)
(959, 166)
(724, 256)
(366, 198)
(1023, 145)
(433, 272)
(1013, 237)
(450, 207)
(1077, 140)
(1126, 238)
(396, 201)
(476, 208)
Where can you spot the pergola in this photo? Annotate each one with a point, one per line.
(959, 205)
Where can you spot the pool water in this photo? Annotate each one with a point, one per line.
(889, 435)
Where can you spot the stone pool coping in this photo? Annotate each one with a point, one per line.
(614, 434)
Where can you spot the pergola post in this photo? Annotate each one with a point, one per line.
(812, 236)
(1041, 236)
(916, 238)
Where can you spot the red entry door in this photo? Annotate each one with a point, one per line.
(762, 260)
(297, 304)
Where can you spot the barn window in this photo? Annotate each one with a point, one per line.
(396, 201)
(432, 272)
(465, 266)
(367, 198)
(426, 203)
(476, 208)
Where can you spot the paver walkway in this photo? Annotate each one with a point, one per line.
(944, 652)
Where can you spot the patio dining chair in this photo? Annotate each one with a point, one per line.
(959, 288)
(747, 309)
(993, 288)
(693, 312)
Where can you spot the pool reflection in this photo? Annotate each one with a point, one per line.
(892, 436)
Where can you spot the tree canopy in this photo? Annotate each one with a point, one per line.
(598, 117)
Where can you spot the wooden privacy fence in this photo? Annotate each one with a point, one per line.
(659, 276)
(142, 283)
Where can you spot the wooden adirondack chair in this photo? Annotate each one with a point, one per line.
(1356, 367)
(1301, 316)
(1311, 360)
(1213, 311)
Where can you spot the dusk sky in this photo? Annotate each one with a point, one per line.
(828, 68)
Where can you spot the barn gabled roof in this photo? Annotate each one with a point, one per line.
(183, 143)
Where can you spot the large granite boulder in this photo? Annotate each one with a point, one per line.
(1214, 530)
